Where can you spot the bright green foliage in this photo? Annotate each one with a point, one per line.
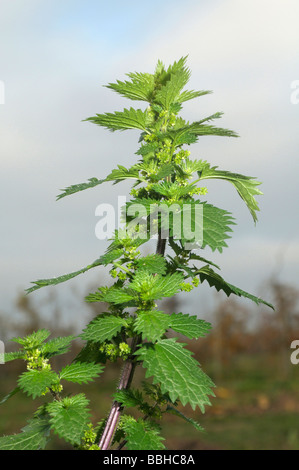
(103, 328)
(35, 382)
(34, 340)
(127, 119)
(129, 398)
(69, 417)
(57, 346)
(140, 435)
(153, 287)
(179, 374)
(169, 202)
(152, 325)
(34, 436)
(80, 372)
(176, 412)
(189, 326)
(245, 185)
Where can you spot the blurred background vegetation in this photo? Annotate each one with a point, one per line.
(247, 354)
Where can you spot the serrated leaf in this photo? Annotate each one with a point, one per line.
(12, 356)
(140, 436)
(34, 382)
(75, 188)
(33, 437)
(170, 92)
(172, 190)
(129, 398)
(216, 225)
(91, 353)
(246, 186)
(154, 264)
(81, 372)
(9, 395)
(190, 221)
(69, 417)
(152, 324)
(122, 173)
(121, 120)
(202, 224)
(190, 95)
(103, 260)
(178, 373)
(140, 87)
(189, 326)
(155, 287)
(57, 346)
(175, 411)
(65, 277)
(34, 340)
(111, 295)
(189, 133)
(103, 328)
(215, 280)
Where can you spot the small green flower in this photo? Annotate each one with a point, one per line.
(124, 350)
(186, 286)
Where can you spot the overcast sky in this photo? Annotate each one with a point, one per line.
(55, 57)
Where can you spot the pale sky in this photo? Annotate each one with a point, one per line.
(55, 58)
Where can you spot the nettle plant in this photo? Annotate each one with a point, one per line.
(166, 202)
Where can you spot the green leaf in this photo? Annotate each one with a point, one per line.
(34, 340)
(122, 173)
(35, 382)
(189, 95)
(152, 325)
(246, 186)
(154, 264)
(215, 280)
(170, 92)
(178, 373)
(75, 188)
(140, 435)
(126, 119)
(175, 411)
(58, 280)
(129, 398)
(103, 328)
(111, 295)
(103, 260)
(91, 353)
(189, 133)
(155, 287)
(140, 87)
(190, 221)
(11, 356)
(9, 395)
(189, 326)
(216, 224)
(172, 190)
(33, 437)
(81, 372)
(209, 225)
(57, 346)
(69, 417)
